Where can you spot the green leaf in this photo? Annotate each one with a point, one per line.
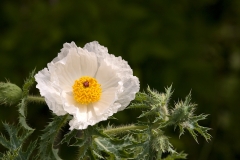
(5, 142)
(47, 140)
(146, 150)
(83, 151)
(10, 155)
(155, 104)
(154, 145)
(192, 126)
(183, 117)
(162, 142)
(67, 137)
(97, 154)
(85, 144)
(81, 139)
(141, 96)
(26, 155)
(15, 143)
(176, 155)
(113, 147)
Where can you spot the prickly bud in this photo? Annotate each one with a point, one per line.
(10, 93)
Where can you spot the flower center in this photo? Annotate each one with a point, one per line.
(86, 90)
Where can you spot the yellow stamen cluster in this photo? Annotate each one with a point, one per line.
(86, 90)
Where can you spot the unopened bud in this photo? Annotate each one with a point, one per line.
(10, 94)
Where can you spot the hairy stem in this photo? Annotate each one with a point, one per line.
(123, 129)
(36, 99)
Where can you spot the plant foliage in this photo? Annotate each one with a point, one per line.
(15, 143)
(145, 140)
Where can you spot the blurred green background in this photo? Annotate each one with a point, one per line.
(194, 45)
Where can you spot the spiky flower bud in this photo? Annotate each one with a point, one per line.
(10, 93)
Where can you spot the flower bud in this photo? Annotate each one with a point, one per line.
(10, 93)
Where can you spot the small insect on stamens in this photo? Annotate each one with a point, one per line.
(86, 84)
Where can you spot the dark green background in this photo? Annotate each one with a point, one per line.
(194, 45)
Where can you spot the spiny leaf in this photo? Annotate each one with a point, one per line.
(26, 155)
(154, 94)
(5, 142)
(83, 152)
(176, 155)
(164, 144)
(15, 143)
(23, 122)
(169, 93)
(10, 155)
(97, 154)
(46, 145)
(55, 153)
(81, 142)
(148, 114)
(146, 150)
(113, 147)
(192, 126)
(183, 117)
(67, 137)
(81, 139)
(155, 103)
(182, 111)
(156, 144)
(84, 144)
(141, 96)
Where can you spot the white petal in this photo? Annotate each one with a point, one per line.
(88, 63)
(74, 124)
(96, 48)
(107, 76)
(72, 107)
(55, 106)
(49, 91)
(91, 114)
(130, 88)
(108, 97)
(76, 64)
(81, 114)
(64, 51)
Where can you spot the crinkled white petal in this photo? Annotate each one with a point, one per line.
(49, 91)
(131, 87)
(76, 64)
(108, 98)
(119, 86)
(107, 76)
(64, 51)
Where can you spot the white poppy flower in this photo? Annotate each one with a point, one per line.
(88, 83)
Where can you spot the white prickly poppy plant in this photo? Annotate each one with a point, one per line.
(84, 86)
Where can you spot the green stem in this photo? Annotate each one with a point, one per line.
(123, 129)
(37, 99)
